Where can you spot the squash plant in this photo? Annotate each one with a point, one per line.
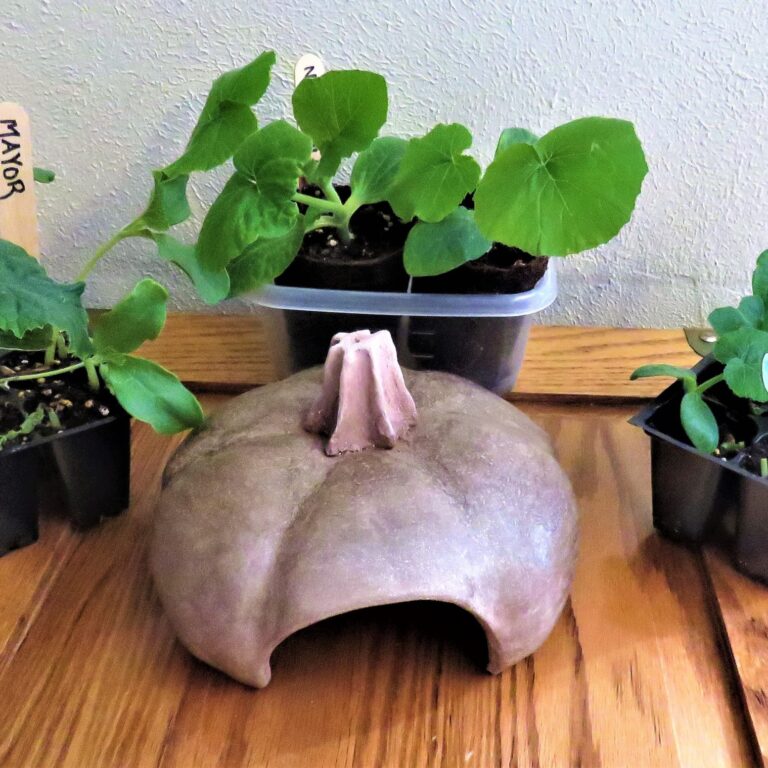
(742, 349)
(40, 314)
(567, 191)
(570, 190)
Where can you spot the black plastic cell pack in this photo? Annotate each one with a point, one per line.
(700, 498)
(88, 467)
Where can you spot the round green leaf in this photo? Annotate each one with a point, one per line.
(760, 277)
(256, 201)
(574, 189)
(742, 352)
(31, 300)
(342, 111)
(510, 136)
(263, 260)
(432, 249)
(151, 393)
(238, 216)
(272, 160)
(434, 174)
(376, 168)
(245, 85)
(726, 319)
(31, 341)
(168, 204)
(137, 318)
(214, 142)
(211, 286)
(699, 422)
(750, 314)
(745, 378)
(226, 120)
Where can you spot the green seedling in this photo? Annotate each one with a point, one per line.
(28, 425)
(742, 348)
(572, 189)
(38, 313)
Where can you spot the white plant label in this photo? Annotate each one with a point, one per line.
(308, 65)
(18, 205)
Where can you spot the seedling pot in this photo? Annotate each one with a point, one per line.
(88, 466)
(382, 273)
(700, 498)
(481, 337)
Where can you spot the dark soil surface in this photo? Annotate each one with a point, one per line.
(750, 457)
(371, 261)
(501, 270)
(68, 396)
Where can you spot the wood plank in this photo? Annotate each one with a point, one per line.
(94, 660)
(743, 604)
(632, 674)
(595, 363)
(229, 352)
(26, 577)
(648, 649)
(18, 205)
(214, 352)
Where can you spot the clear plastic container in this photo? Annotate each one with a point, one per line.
(479, 336)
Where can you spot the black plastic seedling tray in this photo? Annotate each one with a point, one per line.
(700, 498)
(87, 465)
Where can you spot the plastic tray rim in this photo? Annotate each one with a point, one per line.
(284, 297)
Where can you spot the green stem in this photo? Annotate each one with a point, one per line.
(763, 467)
(61, 346)
(322, 221)
(101, 252)
(53, 418)
(318, 202)
(352, 205)
(710, 383)
(41, 374)
(330, 192)
(93, 377)
(50, 353)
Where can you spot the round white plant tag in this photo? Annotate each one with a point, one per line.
(308, 65)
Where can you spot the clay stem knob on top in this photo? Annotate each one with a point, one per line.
(364, 402)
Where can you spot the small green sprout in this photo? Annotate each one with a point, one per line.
(742, 348)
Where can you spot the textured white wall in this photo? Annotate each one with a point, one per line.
(114, 88)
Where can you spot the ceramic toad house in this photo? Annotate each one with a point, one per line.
(326, 492)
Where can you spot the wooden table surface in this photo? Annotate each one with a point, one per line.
(659, 659)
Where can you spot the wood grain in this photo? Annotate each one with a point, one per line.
(631, 676)
(595, 363)
(229, 352)
(26, 580)
(641, 616)
(743, 604)
(18, 204)
(90, 676)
